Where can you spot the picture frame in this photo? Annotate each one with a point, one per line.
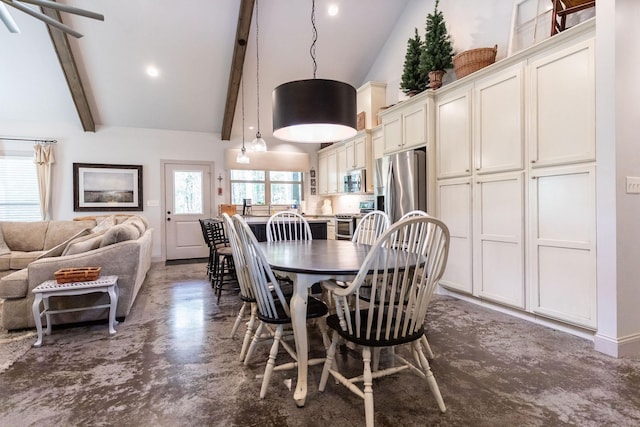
(313, 182)
(107, 187)
(312, 173)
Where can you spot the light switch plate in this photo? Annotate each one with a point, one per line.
(633, 185)
(153, 202)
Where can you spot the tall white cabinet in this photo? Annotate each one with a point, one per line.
(515, 168)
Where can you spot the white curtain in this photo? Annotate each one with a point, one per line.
(43, 160)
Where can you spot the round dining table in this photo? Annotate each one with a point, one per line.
(307, 262)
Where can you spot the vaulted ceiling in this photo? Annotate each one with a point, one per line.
(191, 42)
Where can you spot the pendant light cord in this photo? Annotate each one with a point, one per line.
(258, 67)
(314, 38)
(242, 95)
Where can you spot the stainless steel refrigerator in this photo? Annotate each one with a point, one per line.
(400, 182)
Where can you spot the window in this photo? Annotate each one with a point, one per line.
(266, 187)
(19, 195)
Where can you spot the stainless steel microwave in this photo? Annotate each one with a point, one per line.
(355, 181)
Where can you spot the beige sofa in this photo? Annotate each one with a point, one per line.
(31, 252)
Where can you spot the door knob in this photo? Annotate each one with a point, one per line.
(168, 212)
(168, 219)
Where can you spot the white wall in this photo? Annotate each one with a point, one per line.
(146, 147)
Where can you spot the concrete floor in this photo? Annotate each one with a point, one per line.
(172, 364)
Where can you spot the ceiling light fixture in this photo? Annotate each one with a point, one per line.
(314, 110)
(17, 4)
(242, 157)
(333, 10)
(152, 71)
(258, 144)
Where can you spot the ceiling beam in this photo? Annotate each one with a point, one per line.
(237, 64)
(70, 70)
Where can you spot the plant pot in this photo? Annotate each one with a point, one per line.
(435, 79)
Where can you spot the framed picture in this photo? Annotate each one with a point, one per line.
(98, 187)
(312, 173)
(313, 191)
(313, 182)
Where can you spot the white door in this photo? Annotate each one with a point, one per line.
(187, 199)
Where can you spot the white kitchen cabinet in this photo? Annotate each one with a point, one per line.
(498, 237)
(332, 172)
(453, 134)
(377, 142)
(454, 209)
(562, 243)
(357, 151)
(563, 106)
(406, 125)
(323, 173)
(499, 122)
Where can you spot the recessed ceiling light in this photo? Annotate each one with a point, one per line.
(152, 71)
(333, 9)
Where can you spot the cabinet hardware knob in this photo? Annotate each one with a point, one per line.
(533, 161)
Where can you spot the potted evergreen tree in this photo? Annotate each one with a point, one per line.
(438, 51)
(413, 79)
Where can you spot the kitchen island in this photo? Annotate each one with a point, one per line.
(258, 225)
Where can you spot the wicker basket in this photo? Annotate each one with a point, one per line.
(83, 274)
(472, 60)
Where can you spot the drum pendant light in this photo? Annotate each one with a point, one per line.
(258, 144)
(314, 110)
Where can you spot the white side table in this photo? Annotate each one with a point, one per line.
(51, 288)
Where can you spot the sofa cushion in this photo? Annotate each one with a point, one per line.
(25, 236)
(14, 285)
(4, 249)
(84, 245)
(60, 231)
(119, 233)
(60, 248)
(20, 259)
(137, 223)
(104, 223)
(5, 261)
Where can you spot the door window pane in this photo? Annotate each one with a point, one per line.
(187, 192)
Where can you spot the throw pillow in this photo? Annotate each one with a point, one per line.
(119, 233)
(59, 249)
(4, 249)
(137, 223)
(78, 247)
(104, 223)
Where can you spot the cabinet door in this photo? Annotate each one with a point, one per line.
(351, 155)
(341, 159)
(563, 106)
(392, 130)
(453, 135)
(415, 126)
(377, 141)
(332, 173)
(563, 243)
(454, 208)
(360, 153)
(498, 238)
(498, 122)
(323, 174)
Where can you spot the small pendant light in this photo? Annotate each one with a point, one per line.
(242, 157)
(258, 144)
(314, 110)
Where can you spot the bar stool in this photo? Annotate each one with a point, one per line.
(223, 272)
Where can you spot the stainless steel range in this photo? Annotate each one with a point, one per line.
(346, 223)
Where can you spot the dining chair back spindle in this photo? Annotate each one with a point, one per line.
(370, 227)
(287, 225)
(405, 265)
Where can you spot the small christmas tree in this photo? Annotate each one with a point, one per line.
(413, 79)
(438, 51)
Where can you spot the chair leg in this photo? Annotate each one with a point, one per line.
(427, 347)
(328, 362)
(238, 320)
(368, 387)
(247, 336)
(254, 343)
(271, 362)
(431, 380)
